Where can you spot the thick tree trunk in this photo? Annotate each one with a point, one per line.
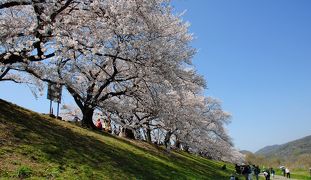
(167, 139)
(148, 135)
(127, 133)
(87, 120)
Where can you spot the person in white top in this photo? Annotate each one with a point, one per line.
(287, 173)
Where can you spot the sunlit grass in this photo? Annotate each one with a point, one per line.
(38, 146)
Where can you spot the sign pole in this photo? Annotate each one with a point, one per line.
(54, 94)
(50, 106)
(57, 109)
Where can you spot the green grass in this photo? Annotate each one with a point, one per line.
(301, 174)
(38, 147)
(297, 174)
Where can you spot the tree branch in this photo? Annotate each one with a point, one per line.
(4, 73)
(108, 81)
(10, 79)
(53, 15)
(19, 58)
(14, 3)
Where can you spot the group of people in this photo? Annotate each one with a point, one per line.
(249, 170)
(125, 132)
(268, 173)
(106, 127)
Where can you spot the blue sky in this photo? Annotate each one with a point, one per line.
(256, 58)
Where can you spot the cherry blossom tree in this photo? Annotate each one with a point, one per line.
(26, 32)
(111, 44)
(131, 59)
(206, 134)
(123, 48)
(196, 123)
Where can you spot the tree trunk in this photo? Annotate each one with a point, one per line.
(167, 139)
(127, 133)
(186, 148)
(3, 73)
(148, 133)
(178, 144)
(87, 120)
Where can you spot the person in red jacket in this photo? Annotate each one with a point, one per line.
(99, 124)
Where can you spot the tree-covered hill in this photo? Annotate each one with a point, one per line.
(296, 147)
(37, 146)
(288, 151)
(245, 152)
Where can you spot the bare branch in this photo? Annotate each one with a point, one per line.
(4, 73)
(14, 3)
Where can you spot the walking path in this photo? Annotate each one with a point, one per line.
(277, 177)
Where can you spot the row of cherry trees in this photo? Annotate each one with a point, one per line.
(128, 58)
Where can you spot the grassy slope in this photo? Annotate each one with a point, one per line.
(51, 148)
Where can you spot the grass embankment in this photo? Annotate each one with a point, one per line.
(36, 146)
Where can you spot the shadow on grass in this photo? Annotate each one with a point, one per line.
(43, 141)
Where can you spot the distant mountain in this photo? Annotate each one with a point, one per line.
(245, 152)
(267, 150)
(288, 150)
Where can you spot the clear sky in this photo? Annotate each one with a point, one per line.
(256, 58)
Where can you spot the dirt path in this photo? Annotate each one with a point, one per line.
(278, 177)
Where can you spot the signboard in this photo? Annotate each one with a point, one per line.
(55, 92)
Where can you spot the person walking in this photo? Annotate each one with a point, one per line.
(257, 172)
(250, 173)
(237, 169)
(246, 172)
(272, 172)
(283, 171)
(287, 173)
(267, 174)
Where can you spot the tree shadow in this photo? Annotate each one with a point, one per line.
(42, 140)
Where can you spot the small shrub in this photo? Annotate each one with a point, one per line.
(24, 172)
(52, 173)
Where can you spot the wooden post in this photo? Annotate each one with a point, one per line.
(51, 107)
(57, 110)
